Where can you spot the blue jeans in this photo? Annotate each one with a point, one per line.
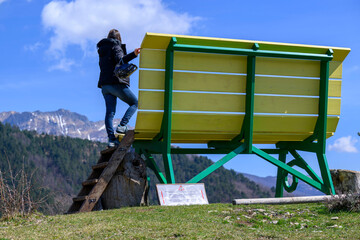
(111, 93)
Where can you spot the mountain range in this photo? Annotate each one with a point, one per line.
(61, 123)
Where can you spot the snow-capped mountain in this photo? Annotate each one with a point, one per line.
(60, 122)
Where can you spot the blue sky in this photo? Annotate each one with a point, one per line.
(49, 60)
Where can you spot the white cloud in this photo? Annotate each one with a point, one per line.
(63, 64)
(33, 47)
(85, 22)
(344, 144)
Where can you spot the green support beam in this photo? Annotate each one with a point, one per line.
(153, 166)
(169, 70)
(322, 126)
(323, 104)
(249, 104)
(252, 52)
(300, 162)
(218, 164)
(289, 169)
(279, 191)
(325, 173)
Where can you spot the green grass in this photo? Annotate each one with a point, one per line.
(215, 221)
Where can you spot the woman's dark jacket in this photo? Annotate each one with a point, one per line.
(110, 52)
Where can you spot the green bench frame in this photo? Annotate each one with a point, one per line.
(243, 143)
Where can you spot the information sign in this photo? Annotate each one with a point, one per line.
(181, 194)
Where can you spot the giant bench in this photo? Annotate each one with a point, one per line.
(230, 94)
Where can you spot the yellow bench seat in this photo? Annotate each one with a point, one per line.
(209, 91)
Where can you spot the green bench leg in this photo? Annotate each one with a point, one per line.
(280, 177)
(325, 174)
(167, 118)
(169, 171)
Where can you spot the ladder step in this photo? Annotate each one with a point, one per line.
(109, 162)
(79, 198)
(108, 151)
(100, 165)
(90, 182)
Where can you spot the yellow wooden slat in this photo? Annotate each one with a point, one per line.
(149, 100)
(190, 122)
(290, 124)
(287, 67)
(205, 138)
(204, 62)
(188, 101)
(195, 127)
(190, 81)
(294, 86)
(152, 59)
(209, 62)
(155, 59)
(230, 123)
(293, 105)
(335, 88)
(190, 136)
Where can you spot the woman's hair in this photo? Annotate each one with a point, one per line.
(115, 34)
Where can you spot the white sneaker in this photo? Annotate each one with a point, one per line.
(113, 143)
(121, 129)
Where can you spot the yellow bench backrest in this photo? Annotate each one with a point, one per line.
(209, 91)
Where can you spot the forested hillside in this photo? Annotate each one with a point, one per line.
(61, 163)
(58, 164)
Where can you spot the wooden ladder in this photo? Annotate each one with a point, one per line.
(102, 172)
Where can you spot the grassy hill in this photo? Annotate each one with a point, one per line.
(214, 221)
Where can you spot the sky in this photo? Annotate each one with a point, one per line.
(49, 60)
